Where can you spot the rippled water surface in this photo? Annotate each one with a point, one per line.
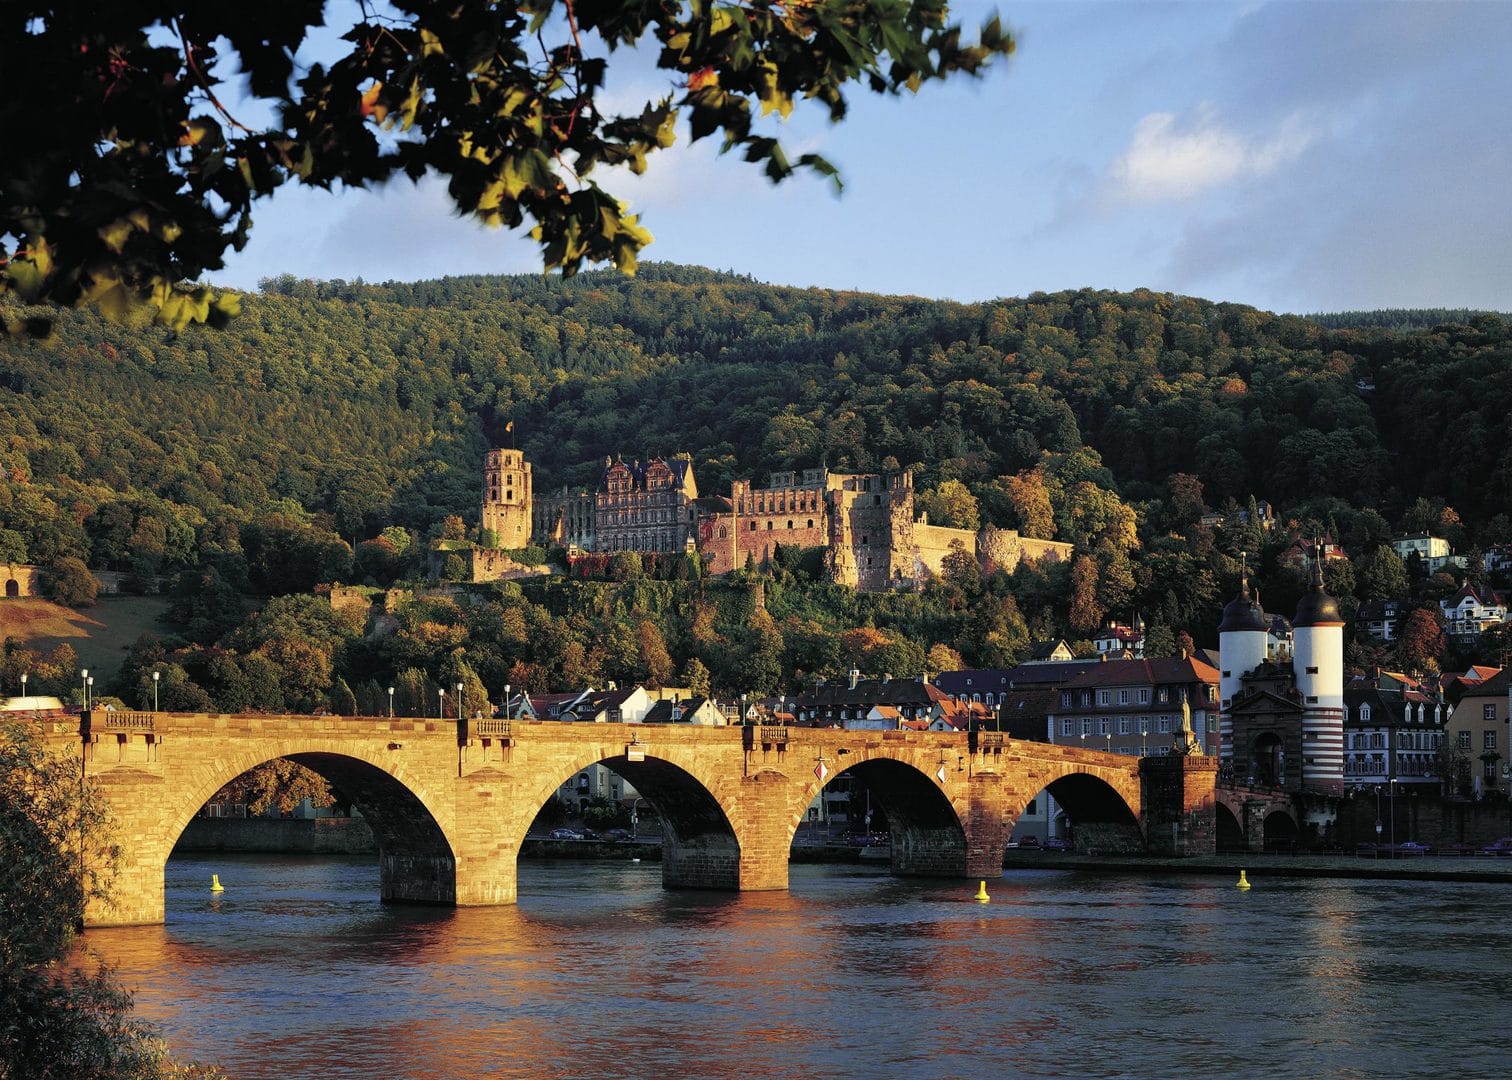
(296, 970)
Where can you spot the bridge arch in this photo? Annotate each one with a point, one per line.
(924, 825)
(412, 828)
(1102, 805)
(701, 844)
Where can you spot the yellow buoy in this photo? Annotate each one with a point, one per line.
(1243, 882)
(982, 893)
(215, 885)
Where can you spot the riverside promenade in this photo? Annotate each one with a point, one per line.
(1474, 868)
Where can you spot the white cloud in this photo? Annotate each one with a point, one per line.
(1167, 160)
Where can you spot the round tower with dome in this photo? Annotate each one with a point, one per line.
(1242, 637)
(1318, 663)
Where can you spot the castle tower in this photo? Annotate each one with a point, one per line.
(506, 498)
(1318, 666)
(1241, 649)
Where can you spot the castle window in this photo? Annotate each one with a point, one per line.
(876, 500)
(753, 526)
(811, 523)
(790, 523)
(721, 532)
(769, 526)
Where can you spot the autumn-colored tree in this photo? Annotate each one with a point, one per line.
(1031, 504)
(943, 658)
(655, 660)
(1421, 642)
(1083, 613)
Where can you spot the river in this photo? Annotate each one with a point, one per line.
(296, 970)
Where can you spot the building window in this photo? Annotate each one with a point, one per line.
(1488, 740)
(1488, 712)
(1065, 697)
(1104, 697)
(1165, 725)
(1212, 724)
(1364, 714)
(1123, 697)
(1464, 740)
(1144, 696)
(1067, 729)
(1125, 725)
(1490, 772)
(1105, 726)
(1086, 725)
(1032, 808)
(1086, 697)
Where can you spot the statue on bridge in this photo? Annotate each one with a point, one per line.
(1186, 743)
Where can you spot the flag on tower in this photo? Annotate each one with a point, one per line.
(820, 771)
(509, 427)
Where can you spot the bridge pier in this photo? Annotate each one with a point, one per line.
(1180, 797)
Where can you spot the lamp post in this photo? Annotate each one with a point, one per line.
(88, 691)
(508, 693)
(743, 719)
(157, 677)
(23, 684)
(1144, 733)
(391, 702)
(461, 702)
(84, 685)
(1109, 736)
(441, 703)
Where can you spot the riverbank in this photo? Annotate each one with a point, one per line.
(1257, 867)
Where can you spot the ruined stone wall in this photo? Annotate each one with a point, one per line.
(1004, 549)
(933, 542)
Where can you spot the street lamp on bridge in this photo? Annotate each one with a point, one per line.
(441, 703)
(461, 702)
(391, 702)
(23, 683)
(84, 685)
(157, 677)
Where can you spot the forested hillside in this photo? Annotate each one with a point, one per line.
(334, 418)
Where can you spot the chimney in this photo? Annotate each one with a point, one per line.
(887, 676)
(854, 677)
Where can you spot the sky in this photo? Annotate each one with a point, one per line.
(1301, 157)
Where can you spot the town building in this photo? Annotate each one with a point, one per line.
(1379, 620)
(691, 710)
(1119, 641)
(1393, 728)
(1477, 736)
(1434, 551)
(1471, 612)
(1135, 707)
(847, 702)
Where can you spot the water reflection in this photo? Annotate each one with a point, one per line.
(296, 970)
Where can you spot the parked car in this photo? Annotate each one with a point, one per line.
(617, 835)
(565, 834)
(1499, 847)
(1412, 847)
(1025, 842)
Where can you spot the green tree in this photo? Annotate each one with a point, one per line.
(1381, 575)
(130, 176)
(69, 582)
(950, 504)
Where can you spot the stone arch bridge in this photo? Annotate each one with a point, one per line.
(450, 802)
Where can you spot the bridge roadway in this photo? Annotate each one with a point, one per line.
(450, 802)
